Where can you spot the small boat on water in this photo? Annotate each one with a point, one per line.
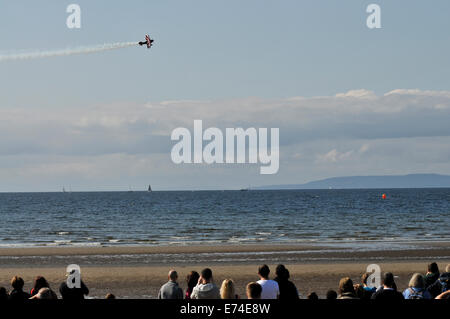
(149, 188)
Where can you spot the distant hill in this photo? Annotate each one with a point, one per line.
(387, 181)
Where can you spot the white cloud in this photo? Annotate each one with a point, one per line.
(334, 156)
(349, 131)
(359, 94)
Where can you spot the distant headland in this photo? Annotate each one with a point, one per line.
(381, 181)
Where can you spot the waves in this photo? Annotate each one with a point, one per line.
(224, 218)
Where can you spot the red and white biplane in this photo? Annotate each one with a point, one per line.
(147, 41)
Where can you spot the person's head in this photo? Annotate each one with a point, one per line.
(331, 295)
(388, 280)
(433, 268)
(17, 283)
(173, 275)
(206, 275)
(110, 296)
(346, 286)
(40, 282)
(313, 296)
(227, 290)
(192, 279)
(44, 293)
(282, 273)
(416, 281)
(264, 271)
(253, 290)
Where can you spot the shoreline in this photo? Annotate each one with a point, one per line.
(135, 256)
(142, 249)
(363, 248)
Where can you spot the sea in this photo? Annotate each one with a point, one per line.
(352, 217)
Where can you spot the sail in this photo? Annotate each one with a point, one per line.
(149, 188)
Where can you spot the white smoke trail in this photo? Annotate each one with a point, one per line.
(65, 52)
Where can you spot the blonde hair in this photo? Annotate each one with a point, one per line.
(227, 290)
(416, 281)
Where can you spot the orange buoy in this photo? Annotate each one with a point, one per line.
(383, 196)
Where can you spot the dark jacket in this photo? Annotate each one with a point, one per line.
(439, 286)
(287, 289)
(347, 295)
(73, 293)
(387, 295)
(430, 279)
(18, 295)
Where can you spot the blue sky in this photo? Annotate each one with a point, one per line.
(220, 51)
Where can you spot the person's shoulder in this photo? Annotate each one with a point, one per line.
(377, 294)
(195, 289)
(263, 282)
(273, 283)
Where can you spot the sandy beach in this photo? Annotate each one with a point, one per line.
(138, 272)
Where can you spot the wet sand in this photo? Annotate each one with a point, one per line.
(138, 272)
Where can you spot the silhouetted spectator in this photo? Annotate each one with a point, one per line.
(253, 290)
(416, 288)
(171, 290)
(39, 282)
(388, 291)
(346, 290)
(313, 296)
(192, 280)
(331, 295)
(432, 274)
(205, 288)
(442, 284)
(368, 291)
(45, 294)
(270, 288)
(74, 293)
(227, 290)
(17, 294)
(286, 287)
